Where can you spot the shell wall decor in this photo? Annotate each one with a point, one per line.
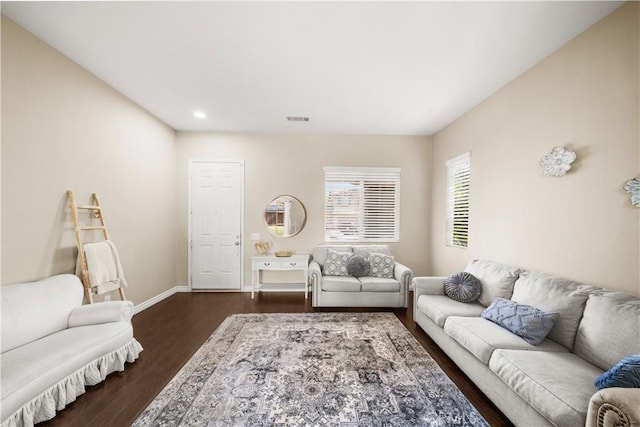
(633, 186)
(557, 162)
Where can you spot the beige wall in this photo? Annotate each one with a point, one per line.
(64, 128)
(293, 164)
(585, 96)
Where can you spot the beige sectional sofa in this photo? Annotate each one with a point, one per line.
(348, 291)
(547, 384)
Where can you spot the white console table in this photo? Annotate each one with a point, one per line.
(273, 263)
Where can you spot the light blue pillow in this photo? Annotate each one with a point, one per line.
(529, 323)
(625, 373)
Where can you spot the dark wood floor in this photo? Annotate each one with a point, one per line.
(172, 330)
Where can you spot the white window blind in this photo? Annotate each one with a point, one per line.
(362, 204)
(458, 183)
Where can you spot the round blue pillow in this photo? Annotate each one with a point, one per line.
(462, 287)
(357, 266)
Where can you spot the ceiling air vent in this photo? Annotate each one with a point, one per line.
(297, 119)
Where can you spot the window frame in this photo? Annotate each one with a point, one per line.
(457, 217)
(368, 211)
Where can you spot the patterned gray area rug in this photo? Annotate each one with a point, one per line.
(317, 369)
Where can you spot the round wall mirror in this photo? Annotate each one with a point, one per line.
(285, 216)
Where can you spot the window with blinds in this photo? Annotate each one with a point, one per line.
(362, 204)
(458, 182)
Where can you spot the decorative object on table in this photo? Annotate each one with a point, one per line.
(321, 369)
(283, 253)
(633, 186)
(557, 162)
(262, 247)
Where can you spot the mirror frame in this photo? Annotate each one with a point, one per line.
(304, 221)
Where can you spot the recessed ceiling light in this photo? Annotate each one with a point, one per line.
(199, 115)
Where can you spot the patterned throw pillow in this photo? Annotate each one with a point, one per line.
(336, 264)
(462, 287)
(358, 266)
(528, 322)
(381, 265)
(625, 373)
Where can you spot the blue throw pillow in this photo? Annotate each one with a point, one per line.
(462, 287)
(625, 373)
(528, 322)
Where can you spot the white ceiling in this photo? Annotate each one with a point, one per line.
(405, 68)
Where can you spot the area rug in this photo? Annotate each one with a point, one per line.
(316, 369)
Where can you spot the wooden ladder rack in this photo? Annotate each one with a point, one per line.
(96, 210)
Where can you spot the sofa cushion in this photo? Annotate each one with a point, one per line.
(462, 287)
(336, 264)
(439, 307)
(358, 266)
(497, 279)
(481, 337)
(563, 297)
(556, 384)
(367, 250)
(526, 321)
(25, 305)
(609, 328)
(381, 265)
(34, 367)
(320, 252)
(377, 284)
(340, 284)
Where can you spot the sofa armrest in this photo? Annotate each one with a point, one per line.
(102, 312)
(315, 273)
(403, 274)
(315, 277)
(611, 407)
(428, 286)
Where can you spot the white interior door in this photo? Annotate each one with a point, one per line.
(216, 222)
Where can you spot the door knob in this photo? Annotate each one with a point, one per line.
(237, 243)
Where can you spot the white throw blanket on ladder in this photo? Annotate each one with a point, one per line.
(103, 266)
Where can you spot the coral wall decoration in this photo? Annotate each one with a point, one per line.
(633, 186)
(557, 162)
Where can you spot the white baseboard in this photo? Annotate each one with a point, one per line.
(151, 301)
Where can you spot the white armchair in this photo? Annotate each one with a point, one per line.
(53, 346)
